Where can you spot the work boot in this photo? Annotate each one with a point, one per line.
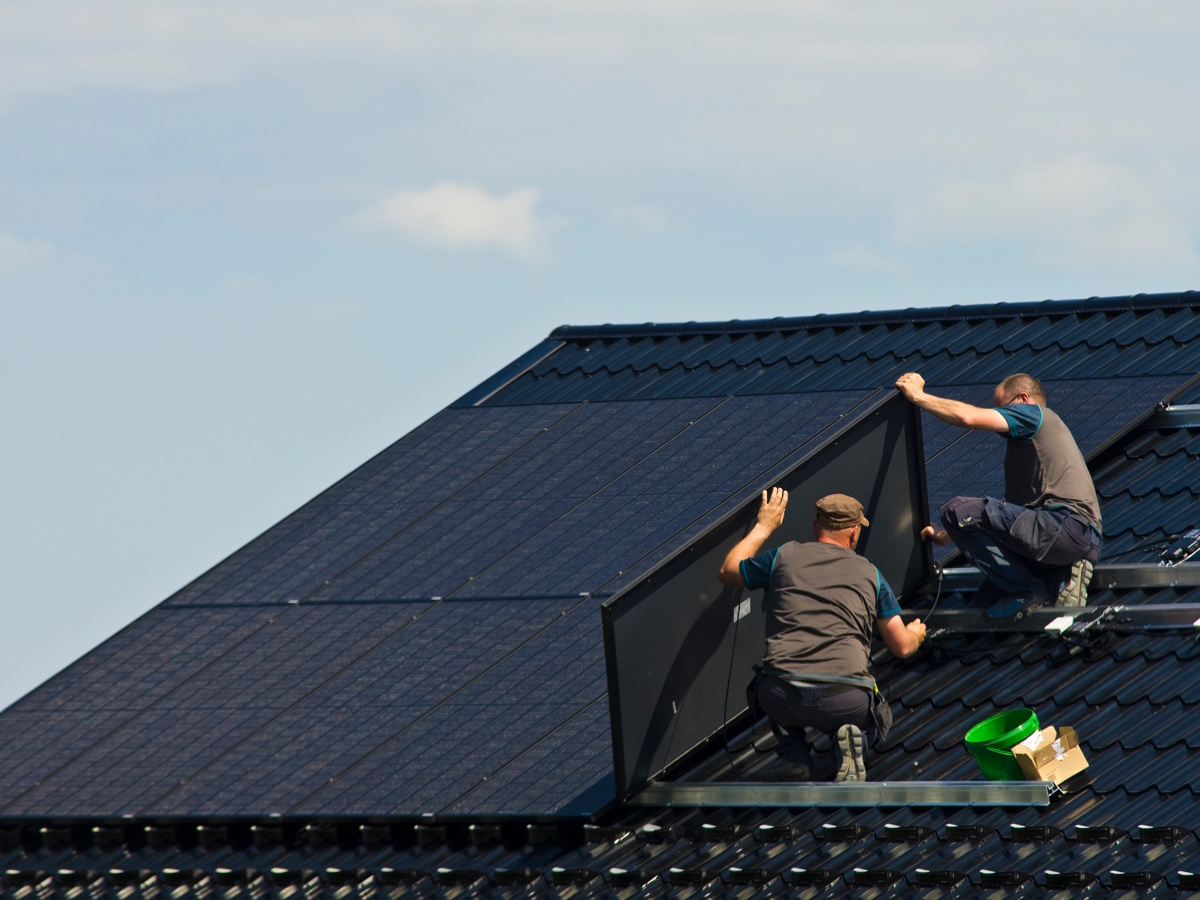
(1075, 589)
(852, 767)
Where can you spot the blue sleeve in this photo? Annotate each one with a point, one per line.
(886, 604)
(756, 571)
(1024, 420)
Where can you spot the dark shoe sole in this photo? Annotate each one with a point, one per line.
(853, 767)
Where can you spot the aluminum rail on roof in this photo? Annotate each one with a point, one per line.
(1115, 576)
(1068, 620)
(856, 794)
(1184, 415)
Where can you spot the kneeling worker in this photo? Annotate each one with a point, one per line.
(821, 600)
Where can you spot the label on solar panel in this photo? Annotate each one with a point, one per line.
(741, 610)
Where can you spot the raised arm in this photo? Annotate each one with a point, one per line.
(964, 415)
(770, 517)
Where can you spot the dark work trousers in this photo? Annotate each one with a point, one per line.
(1025, 552)
(824, 707)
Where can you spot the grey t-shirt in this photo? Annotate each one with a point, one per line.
(821, 604)
(1043, 466)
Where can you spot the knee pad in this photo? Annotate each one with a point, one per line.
(962, 513)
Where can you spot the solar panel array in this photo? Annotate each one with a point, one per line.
(424, 636)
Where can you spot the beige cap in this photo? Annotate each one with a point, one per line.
(838, 511)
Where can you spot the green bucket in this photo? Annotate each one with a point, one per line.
(992, 740)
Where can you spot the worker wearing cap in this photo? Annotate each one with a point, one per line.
(1040, 542)
(821, 601)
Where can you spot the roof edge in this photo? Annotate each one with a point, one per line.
(883, 317)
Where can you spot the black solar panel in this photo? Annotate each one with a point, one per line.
(35, 744)
(466, 740)
(146, 659)
(378, 697)
(371, 505)
(205, 715)
(548, 775)
(666, 496)
(1097, 409)
(314, 696)
(112, 684)
(516, 499)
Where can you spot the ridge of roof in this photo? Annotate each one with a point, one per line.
(883, 317)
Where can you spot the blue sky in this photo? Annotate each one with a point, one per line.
(244, 246)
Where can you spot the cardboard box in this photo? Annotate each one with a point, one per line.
(1048, 755)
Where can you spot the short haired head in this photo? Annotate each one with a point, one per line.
(1015, 385)
(839, 511)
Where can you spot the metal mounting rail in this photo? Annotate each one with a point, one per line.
(1071, 620)
(738, 794)
(1185, 415)
(973, 621)
(1114, 576)
(1125, 576)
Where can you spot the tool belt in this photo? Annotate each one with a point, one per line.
(801, 678)
(881, 711)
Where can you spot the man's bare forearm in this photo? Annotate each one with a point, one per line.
(745, 548)
(902, 640)
(955, 412)
(770, 517)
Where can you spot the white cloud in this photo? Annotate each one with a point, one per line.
(806, 97)
(1073, 213)
(862, 258)
(642, 219)
(457, 215)
(16, 254)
